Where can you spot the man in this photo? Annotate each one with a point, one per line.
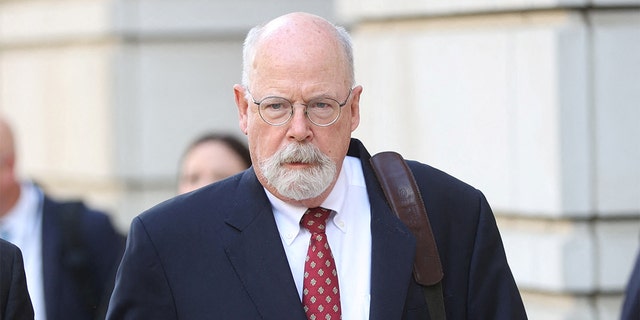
(70, 252)
(15, 303)
(237, 249)
(631, 305)
(210, 158)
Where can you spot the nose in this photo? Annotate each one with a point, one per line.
(299, 125)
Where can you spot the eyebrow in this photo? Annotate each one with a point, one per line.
(316, 97)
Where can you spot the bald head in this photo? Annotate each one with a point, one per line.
(297, 37)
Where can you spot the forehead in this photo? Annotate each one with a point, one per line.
(304, 54)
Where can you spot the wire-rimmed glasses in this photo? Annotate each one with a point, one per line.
(277, 111)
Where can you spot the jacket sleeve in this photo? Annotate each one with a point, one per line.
(493, 293)
(142, 290)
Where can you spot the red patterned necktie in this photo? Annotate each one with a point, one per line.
(320, 293)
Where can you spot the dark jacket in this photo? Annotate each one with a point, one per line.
(80, 253)
(217, 253)
(15, 303)
(631, 306)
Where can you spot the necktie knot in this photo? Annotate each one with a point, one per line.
(315, 219)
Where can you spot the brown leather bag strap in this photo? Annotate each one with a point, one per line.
(404, 197)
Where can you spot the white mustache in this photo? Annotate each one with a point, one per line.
(298, 152)
(303, 183)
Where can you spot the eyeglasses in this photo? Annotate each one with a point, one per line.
(277, 111)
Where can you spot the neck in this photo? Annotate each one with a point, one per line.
(313, 203)
(9, 197)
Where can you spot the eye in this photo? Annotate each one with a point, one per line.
(321, 105)
(273, 106)
(323, 108)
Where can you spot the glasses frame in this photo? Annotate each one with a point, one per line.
(340, 105)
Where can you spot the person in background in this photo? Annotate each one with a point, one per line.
(210, 158)
(15, 303)
(306, 232)
(71, 252)
(631, 306)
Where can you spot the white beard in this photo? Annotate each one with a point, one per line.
(299, 184)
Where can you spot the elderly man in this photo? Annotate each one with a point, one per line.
(306, 232)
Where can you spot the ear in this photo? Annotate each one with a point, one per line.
(355, 107)
(242, 104)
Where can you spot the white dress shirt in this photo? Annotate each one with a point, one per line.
(349, 235)
(23, 224)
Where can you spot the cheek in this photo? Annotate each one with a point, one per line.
(341, 139)
(336, 142)
(258, 143)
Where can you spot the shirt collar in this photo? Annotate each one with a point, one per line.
(288, 216)
(18, 220)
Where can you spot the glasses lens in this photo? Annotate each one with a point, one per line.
(275, 110)
(323, 111)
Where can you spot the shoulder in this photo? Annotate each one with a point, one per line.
(8, 250)
(213, 202)
(435, 180)
(66, 222)
(75, 209)
(438, 188)
(10, 257)
(449, 200)
(202, 215)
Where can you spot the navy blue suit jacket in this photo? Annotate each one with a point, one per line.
(216, 254)
(15, 303)
(103, 246)
(631, 305)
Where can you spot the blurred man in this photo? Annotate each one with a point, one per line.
(70, 251)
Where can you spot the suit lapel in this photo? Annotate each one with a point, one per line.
(392, 250)
(392, 254)
(51, 267)
(259, 259)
